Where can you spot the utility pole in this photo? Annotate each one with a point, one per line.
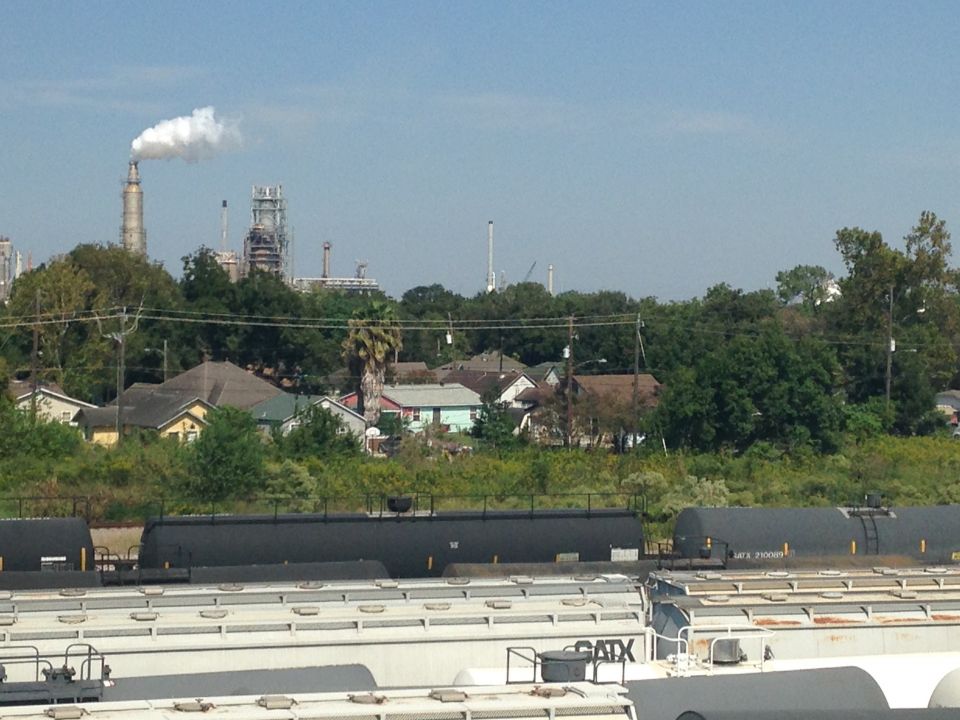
(121, 340)
(33, 359)
(120, 337)
(636, 382)
(568, 438)
(890, 349)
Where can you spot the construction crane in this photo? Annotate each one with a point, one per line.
(526, 278)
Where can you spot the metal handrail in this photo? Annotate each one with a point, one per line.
(86, 665)
(75, 503)
(534, 660)
(425, 504)
(739, 632)
(24, 659)
(373, 504)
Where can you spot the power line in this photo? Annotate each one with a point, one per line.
(652, 321)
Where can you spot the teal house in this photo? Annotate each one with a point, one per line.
(448, 406)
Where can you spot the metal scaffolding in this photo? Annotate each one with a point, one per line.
(267, 244)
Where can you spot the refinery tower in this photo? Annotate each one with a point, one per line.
(132, 235)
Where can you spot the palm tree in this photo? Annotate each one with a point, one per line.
(374, 335)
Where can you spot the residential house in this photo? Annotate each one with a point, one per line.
(282, 413)
(177, 407)
(618, 386)
(170, 414)
(602, 404)
(450, 407)
(605, 404)
(222, 383)
(410, 373)
(501, 387)
(52, 404)
(484, 362)
(548, 372)
(948, 402)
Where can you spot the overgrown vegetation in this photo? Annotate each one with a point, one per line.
(314, 462)
(811, 394)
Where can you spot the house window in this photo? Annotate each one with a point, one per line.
(416, 414)
(436, 416)
(191, 435)
(473, 414)
(65, 416)
(175, 436)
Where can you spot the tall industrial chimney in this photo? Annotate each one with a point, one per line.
(491, 276)
(132, 235)
(223, 227)
(326, 260)
(6, 267)
(550, 278)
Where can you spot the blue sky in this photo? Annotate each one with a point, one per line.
(656, 149)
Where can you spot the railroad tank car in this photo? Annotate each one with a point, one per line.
(774, 694)
(48, 544)
(408, 545)
(925, 534)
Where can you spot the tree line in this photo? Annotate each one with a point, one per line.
(800, 366)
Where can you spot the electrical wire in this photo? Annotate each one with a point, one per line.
(193, 317)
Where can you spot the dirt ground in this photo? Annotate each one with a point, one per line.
(117, 540)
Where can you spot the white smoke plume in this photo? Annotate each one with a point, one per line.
(193, 137)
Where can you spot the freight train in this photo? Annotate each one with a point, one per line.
(227, 548)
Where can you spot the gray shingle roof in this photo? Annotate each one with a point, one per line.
(142, 407)
(432, 395)
(488, 361)
(223, 383)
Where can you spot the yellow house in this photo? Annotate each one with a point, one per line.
(170, 414)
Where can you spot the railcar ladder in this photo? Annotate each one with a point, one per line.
(871, 537)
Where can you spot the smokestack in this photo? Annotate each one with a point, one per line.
(550, 279)
(491, 276)
(223, 227)
(326, 260)
(132, 235)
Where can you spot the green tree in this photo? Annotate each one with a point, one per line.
(227, 460)
(59, 292)
(25, 436)
(806, 284)
(207, 289)
(767, 387)
(909, 294)
(494, 427)
(373, 337)
(319, 433)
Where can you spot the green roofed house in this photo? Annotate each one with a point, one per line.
(281, 412)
